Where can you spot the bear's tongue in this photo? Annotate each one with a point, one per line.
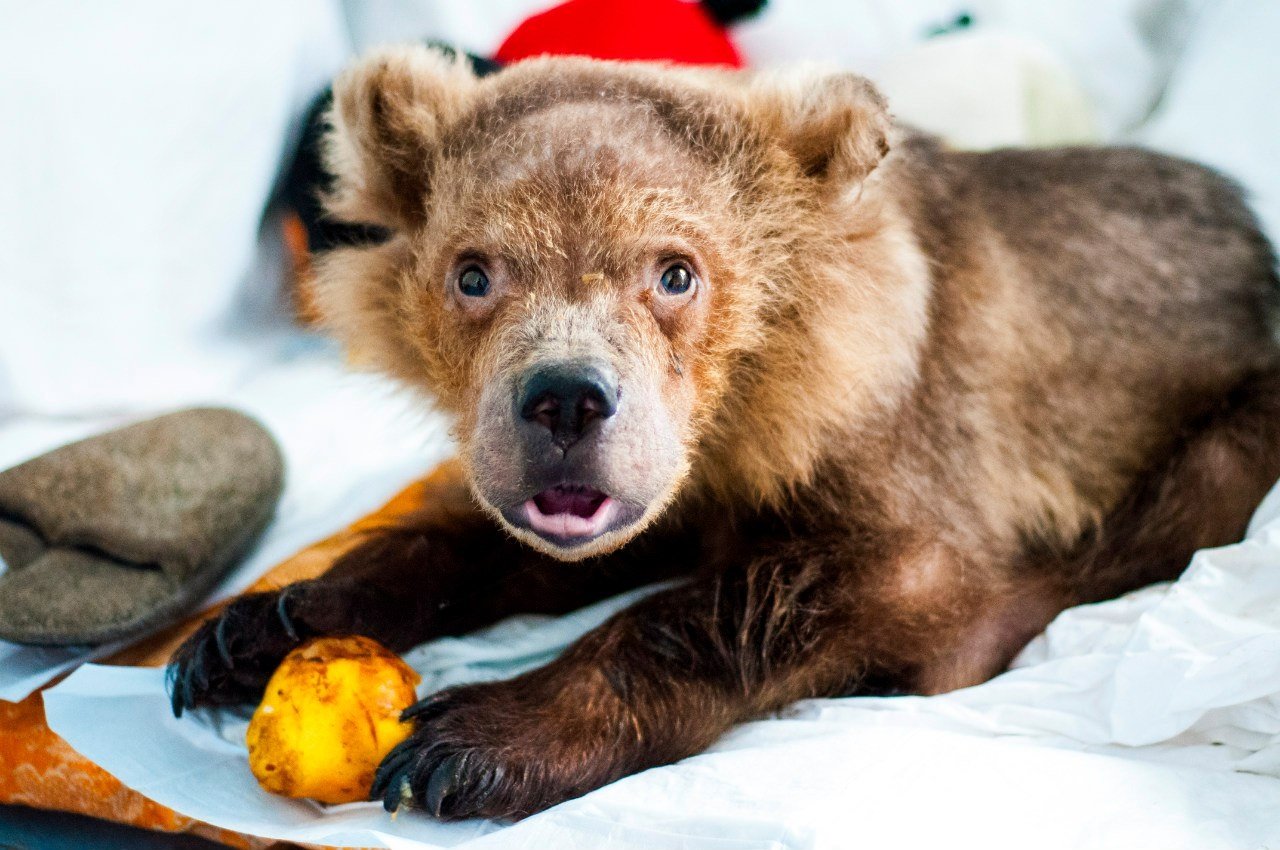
(569, 510)
(569, 499)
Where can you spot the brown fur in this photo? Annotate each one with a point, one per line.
(920, 401)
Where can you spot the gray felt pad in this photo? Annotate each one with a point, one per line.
(120, 533)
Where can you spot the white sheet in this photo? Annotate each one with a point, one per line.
(141, 142)
(1151, 720)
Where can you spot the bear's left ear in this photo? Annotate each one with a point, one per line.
(835, 125)
(389, 112)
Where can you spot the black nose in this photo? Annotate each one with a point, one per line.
(568, 398)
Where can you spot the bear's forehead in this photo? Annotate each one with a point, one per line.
(581, 142)
(582, 176)
(571, 178)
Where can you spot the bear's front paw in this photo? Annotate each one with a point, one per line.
(478, 751)
(228, 660)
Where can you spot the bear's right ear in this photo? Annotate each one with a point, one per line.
(389, 111)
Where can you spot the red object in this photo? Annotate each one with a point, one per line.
(650, 30)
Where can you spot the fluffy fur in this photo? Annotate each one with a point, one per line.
(919, 402)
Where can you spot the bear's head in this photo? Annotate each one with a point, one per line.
(626, 282)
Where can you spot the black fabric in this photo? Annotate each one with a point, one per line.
(727, 12)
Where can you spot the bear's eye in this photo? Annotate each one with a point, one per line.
(676, 280)
(473, 282)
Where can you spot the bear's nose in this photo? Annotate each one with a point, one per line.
(568, 398)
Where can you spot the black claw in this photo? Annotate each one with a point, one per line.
(198, 670)
(182, 691)
(382, 779)
(391, 768)
(492, 779)
(443, 782)
(395, 793)
(220, 640)
(174, 676)
(282, 613)
(426, 708)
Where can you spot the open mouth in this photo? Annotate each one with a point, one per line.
(570, 511)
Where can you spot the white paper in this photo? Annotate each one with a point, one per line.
(1148, 721)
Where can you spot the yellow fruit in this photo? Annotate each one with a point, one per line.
(330, 714)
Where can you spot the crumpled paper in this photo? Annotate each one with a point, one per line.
(1147, 721)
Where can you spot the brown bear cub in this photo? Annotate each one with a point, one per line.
(885, 409)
